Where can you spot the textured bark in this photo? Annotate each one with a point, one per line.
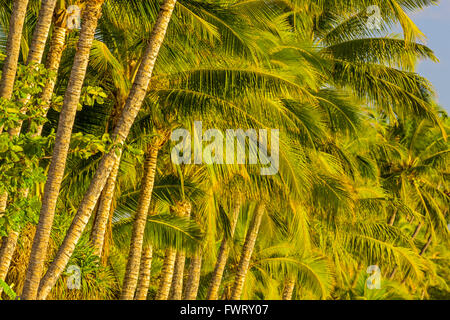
(193, 281)
(104, 212)
(37, 46)
(144, 273)
(288, 289)
(6, 253)
(213, 291)
(41, 31)
(140, 221)
(166, 274)
(176, 290)
(57, 165)
(131, 109)
(13, 48)
(247, 252)
(57, 46)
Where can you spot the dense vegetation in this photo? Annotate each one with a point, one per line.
(93, 207)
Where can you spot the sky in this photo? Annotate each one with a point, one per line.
(434, 21)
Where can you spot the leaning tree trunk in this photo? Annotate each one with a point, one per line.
(5, 245)
(140, 221)
(166, 274)
(213, 291)
(91, 15)
(131, 109)
(6, 253)
(37, 46)
(57, 45)
(182, 209)
(13, 48)
(288, 289)
(144, 273)
(247, 252)
(176, 289)
(193, 281)
(41, 31)
(104, 211)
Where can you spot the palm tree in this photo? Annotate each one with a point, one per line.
(130, 111)
(182, 209)
(56, 49)
(132, 272)
(13, 48)
(222, 257)
(362, 157)
(144, 273)
(56, 170)
(247, 251)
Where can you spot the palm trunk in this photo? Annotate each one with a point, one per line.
(104, 212)
(57, 45)
(137, 238)
(166, 274)
(176, 289)
(132, 107)
(37, 46)
(13, 48)
(247, 251)
(6, 253)
(56, 170)
(213, 291)
(41, 31)
(288, 289)
(193, 281)
(144, 273)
